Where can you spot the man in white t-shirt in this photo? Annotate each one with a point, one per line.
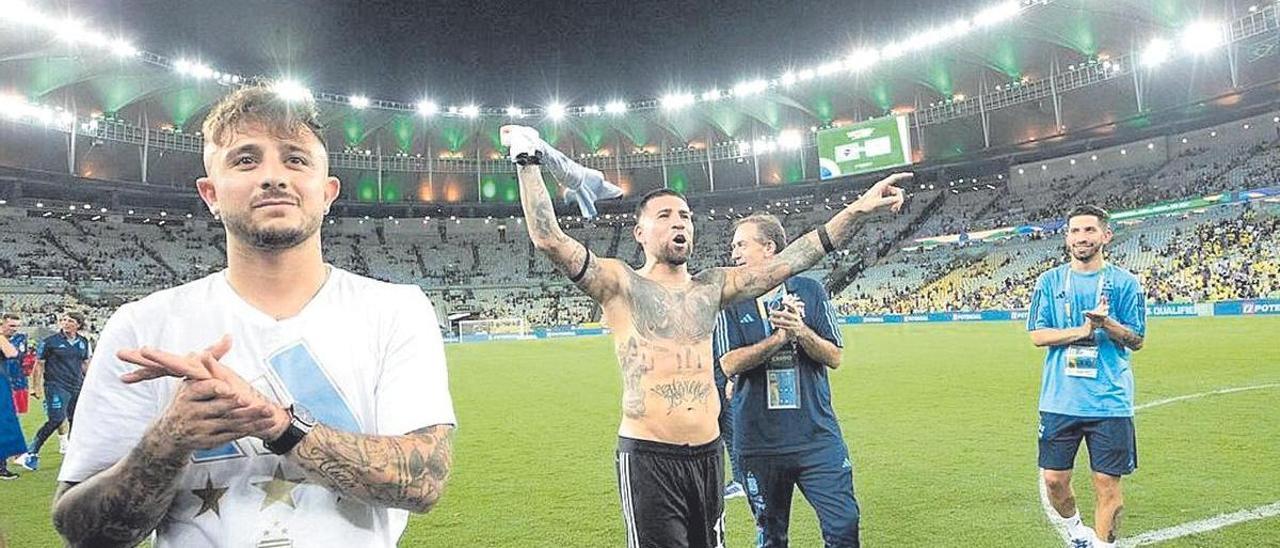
(318, 412)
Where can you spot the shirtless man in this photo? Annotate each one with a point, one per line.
(669, 451)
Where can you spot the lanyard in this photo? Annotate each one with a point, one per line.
(1071, 296)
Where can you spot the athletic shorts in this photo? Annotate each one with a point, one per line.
(672, 495)
(21, 401)
(1112, 443)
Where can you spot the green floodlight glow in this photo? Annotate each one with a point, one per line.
(353, 130)
(402, 128)
(677, 180)
(367, 188)
(390, 191)
(488, 188)
(182, 104)
(1005, 58)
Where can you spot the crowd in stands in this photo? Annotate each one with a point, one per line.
(486, 268)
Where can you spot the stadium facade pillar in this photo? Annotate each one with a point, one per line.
(1232, 47)
(1053, 91)
(711, 169)
(982, 112)
(71, 150)
(915, 122)
(662, 157)
(1136, 69)
(479, 191)
(145, 153)
(379, 166)
(617, 161)
(755, 155)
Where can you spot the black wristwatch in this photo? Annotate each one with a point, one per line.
(300, 424)
(526, 159)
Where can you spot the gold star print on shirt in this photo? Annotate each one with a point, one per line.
(209, 497)
(278, 489)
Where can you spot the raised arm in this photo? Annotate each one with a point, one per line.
(599, 278)
(743, 282)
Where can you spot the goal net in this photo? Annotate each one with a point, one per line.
(493, 328)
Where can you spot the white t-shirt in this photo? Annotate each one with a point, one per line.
(362, 356)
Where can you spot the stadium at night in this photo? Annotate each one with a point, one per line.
(939, 304)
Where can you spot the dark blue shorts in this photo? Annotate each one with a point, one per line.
(1113, 446)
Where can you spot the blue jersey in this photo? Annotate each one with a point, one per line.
(64, 361)
(1110, 392)
(13, 366)
(806, 421)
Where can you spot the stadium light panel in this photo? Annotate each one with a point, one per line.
(996, 14)
(470, 111)
(615, 107)
(514, 112)
(673, 101)
(1156, 53)
(805, 75)
(426, 107)
(827, 69)
(555, 111)
(711, 95)
(121, 48)
(291, 90)
(751, 87)
(862, 59)
(359, 101)
(1202, 37)
(591, 109)
(790, 140)
(788, 78)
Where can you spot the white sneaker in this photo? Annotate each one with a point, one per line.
(1084, 540)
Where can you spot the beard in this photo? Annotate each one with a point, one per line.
(1085, 254)
(674, 257)
(271, 239)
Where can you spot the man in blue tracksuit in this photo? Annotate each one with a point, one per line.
(60, 372)
(779, 348)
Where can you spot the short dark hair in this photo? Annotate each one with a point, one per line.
(259, 104)
(658, 193)
(770, 229)
(10, 316)
(1087, 210)
(78, 317)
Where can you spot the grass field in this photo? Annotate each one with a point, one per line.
(940, 420)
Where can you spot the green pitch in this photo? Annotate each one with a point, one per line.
(940, 420)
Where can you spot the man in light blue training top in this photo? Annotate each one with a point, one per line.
(1091, 315)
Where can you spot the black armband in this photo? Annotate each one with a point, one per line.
(825, 239)
(526, 159)
(585, 264)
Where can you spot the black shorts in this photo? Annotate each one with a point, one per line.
(1113, 445)
(672, 495)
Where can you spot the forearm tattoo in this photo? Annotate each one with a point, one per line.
(406, 471)
(123, 504)
(570, 257)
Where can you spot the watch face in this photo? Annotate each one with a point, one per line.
(301, 413)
